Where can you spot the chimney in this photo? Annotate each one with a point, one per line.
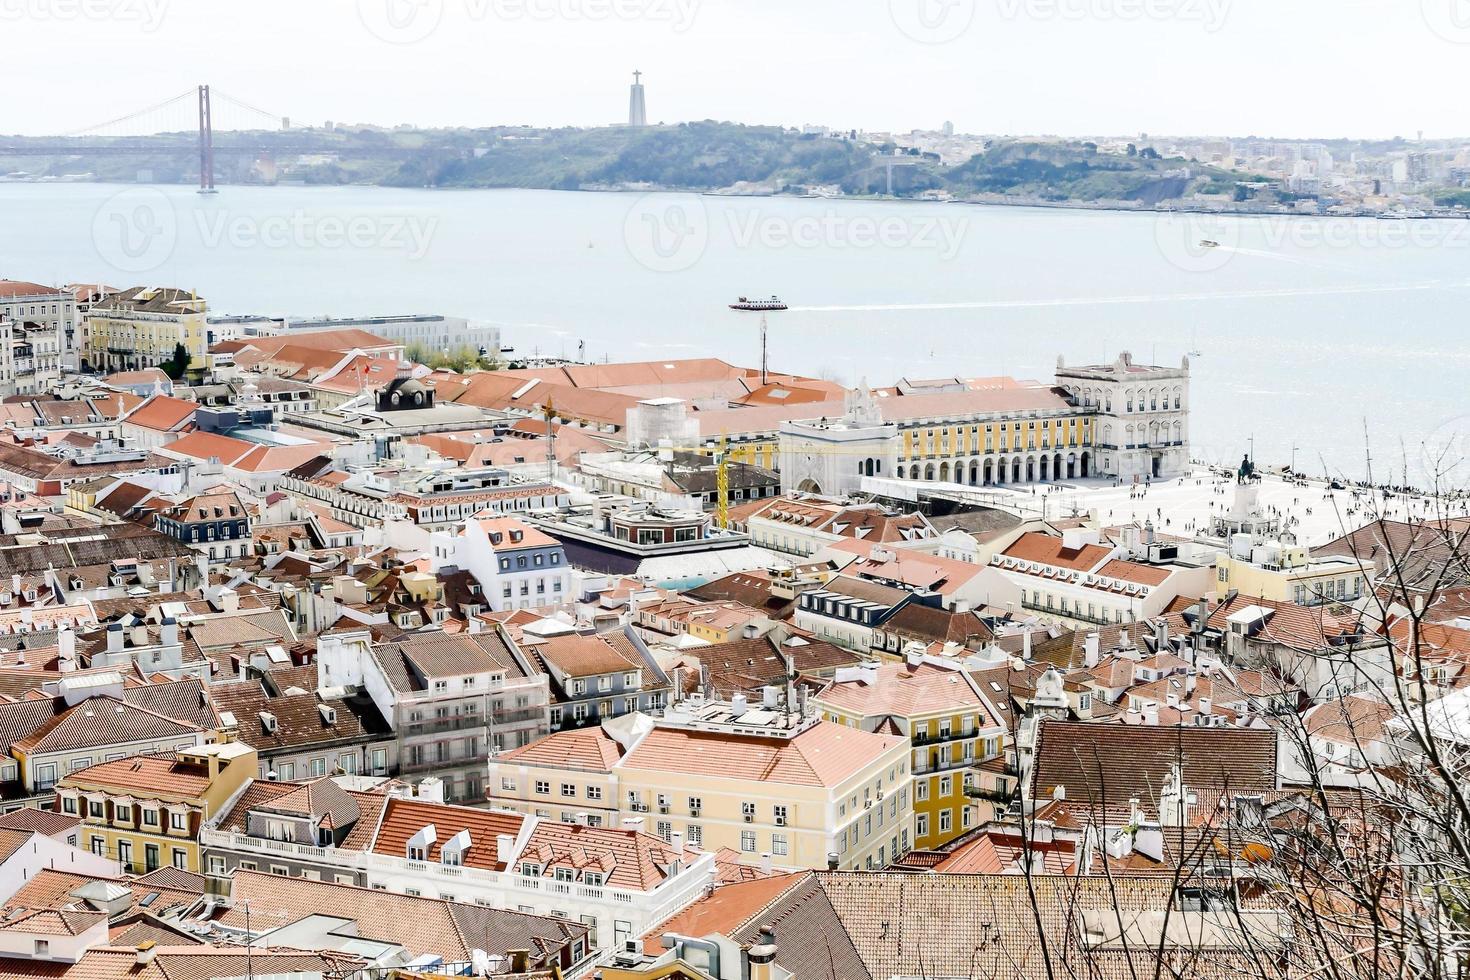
(1090, 656)
(1026, 646)
(66, 647)
(832, 861)
(738, 705)
(1161, 634)
(1148, 840)
(1171, 699)
(762, 955)
(229, 600)
(140, 635)
(1151, 715)
(170, 631)
(765, 862)
(1204, 706)
(115, 638)
(505, 848)
(1190, 680)
(146, 952)
(1124, 640)
(913, 656)
(676, 841)
(431, 788)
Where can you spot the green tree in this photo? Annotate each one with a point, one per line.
(178, 365)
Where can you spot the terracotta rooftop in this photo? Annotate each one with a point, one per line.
(402, 819)
(824, 755)
(590, 749)
(904, 691)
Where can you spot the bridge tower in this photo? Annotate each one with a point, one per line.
(206, 143)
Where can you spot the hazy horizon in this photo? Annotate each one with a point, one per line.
(1360, 69)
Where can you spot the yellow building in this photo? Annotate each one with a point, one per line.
(143, 326)
(1287, 572)
(949, 725)
(145, 811)
(797, 792)
(999, 450)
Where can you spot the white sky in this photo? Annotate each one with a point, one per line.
(1299, 68)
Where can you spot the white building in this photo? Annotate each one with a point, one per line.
(432, 332)
(516, 565)
(831, 456)
(50, 340)
(1142, 415)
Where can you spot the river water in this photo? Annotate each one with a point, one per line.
(1308, 331)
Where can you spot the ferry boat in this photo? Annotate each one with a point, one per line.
(758, 305)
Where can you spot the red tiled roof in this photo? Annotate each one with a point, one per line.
(591, 749)
(823, 755)
(404, 818)
(1048, 550)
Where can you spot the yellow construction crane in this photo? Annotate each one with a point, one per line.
(719, 454)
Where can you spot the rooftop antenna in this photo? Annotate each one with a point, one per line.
(764, 362)
(550, 412)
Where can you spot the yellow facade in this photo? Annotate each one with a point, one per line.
(148, 828)
(765, 453)
(126, 340)
(1293, 576)
(945, 746)
(866, 820)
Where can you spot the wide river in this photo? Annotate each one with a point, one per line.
(1307, 331)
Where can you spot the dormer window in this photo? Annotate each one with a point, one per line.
(565, 874)
(530, 870)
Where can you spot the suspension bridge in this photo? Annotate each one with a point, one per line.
(187, 124)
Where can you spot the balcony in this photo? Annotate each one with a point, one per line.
(432, 765)
(941, 737)
(516, 716)
(436, 726)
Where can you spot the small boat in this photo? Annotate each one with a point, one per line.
(1208, 243)
(745, 305)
